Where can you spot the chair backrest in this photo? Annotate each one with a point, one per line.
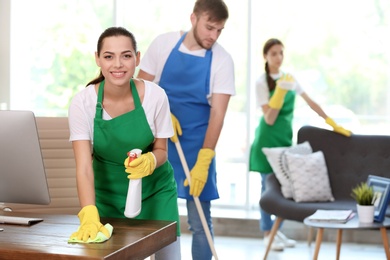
(349, 159)
(60, 168)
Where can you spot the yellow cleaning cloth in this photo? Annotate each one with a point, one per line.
(100, 237)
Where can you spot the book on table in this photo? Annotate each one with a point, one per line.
(335, 216)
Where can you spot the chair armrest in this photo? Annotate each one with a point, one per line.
(272, 194)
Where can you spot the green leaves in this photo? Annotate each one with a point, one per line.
(363, 194)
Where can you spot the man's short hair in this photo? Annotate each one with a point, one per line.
(215, 9)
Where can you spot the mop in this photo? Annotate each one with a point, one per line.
(196, 199)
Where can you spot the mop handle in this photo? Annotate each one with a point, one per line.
(196, 199)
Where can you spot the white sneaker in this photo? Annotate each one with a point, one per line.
(285, 240)
(277, 245)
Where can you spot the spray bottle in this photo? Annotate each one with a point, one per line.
(134, 193)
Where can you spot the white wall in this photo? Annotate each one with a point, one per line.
(5, 10)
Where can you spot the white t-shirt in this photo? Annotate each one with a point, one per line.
(222, 66)
(262, 91)
(82, 111)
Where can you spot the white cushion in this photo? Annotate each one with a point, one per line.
(277, 160)
(309, 177)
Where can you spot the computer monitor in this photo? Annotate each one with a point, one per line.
(22, 172)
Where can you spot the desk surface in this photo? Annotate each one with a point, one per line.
(131, 239)
(350, 224)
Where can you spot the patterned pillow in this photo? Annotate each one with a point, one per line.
(277, 159)
(309, 177)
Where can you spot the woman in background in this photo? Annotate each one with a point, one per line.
(275, 92)
(114, 114)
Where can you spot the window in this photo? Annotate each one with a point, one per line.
(52, 51)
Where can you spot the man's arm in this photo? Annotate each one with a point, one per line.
(146, 76)
(199, 173)
(219, 104)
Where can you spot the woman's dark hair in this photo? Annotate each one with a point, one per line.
(268, 45)
(217, 10)
(110, 32)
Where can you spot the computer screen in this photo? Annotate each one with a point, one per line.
(22, 173)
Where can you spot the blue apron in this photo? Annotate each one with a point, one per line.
(186, 80)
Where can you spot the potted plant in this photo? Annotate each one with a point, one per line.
(365, 199)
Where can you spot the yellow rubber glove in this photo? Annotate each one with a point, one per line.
(89, 224)
(176, 129)
(337, 128)
(140, 167)
(200, 171)
(284, 84)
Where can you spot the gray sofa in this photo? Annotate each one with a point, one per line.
(349, 161)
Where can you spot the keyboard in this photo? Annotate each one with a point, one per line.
(27, 221)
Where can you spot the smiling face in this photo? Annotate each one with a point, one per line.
(206, 32)
(274, 56)
(117, 60)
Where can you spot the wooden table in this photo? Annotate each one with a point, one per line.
(351, 224)
(131, 239)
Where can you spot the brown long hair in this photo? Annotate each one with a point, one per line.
(268, 45)
(110, 32)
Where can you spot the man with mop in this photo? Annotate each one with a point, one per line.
(198, 76)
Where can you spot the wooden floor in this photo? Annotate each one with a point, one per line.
(253, 248)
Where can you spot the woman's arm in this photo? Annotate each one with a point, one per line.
(160, 151)
(314, 106)
(146, 76)
(274, 104)
(84, 172)
(270, 114)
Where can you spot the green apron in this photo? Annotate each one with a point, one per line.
(277, 135)
(112, 140)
